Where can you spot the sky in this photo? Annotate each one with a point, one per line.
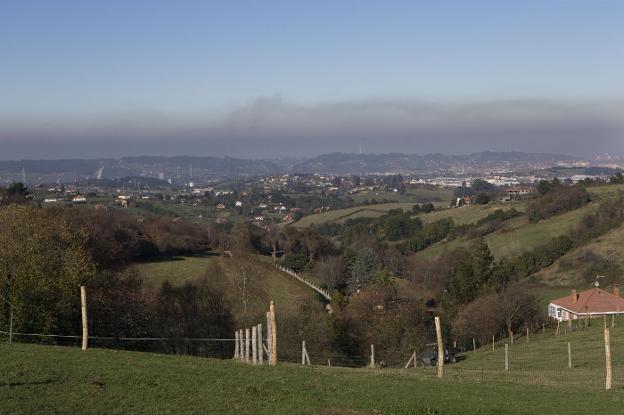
(294, 78)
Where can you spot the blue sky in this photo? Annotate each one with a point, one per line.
(84, 62)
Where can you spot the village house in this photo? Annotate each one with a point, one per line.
(519, 191)
(587, 304)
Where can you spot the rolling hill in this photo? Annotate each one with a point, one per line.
(264, 283)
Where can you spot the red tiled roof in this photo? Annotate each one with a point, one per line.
(591, 301)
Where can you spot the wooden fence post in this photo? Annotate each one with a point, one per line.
(303, 352)
(474, 346)
(254, 345)
(10, 323)
(569, 356)
(236, 344)
(273, 335)
(512, 336)
(492, 342)
(247, 344)
(411, 359)
(372, 356)
(607, 358)
(527, 334)
(506, 357)
(260, 345)
(85, 324)
(241, 345)
(440, 347)
(269, 336)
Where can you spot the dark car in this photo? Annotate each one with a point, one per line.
(430, 357)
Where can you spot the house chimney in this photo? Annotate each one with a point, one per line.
(574, 296)
(615, 289)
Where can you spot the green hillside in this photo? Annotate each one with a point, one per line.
(63, 380)
(471, 213)
(264, 282)
(517, 235)
(603, 255)
(341, 215)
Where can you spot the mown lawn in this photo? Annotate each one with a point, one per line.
(63, 380)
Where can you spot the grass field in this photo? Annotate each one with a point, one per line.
(517, 235)
(608, 190)
(341, 215)
(470, 214)
(265, 282)
(437, 196)
(63, 380)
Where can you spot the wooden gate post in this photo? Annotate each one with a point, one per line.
(85, 324)
(241, 345)
(269, 336)
(506, 357)
(236, 344)
(254, 345)
(440, 347)
(569, 356)
(303, 352)
(372, 356)
(260, 346)
(273, 335)
(247, 344)
(607, 358)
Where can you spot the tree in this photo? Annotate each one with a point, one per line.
(365, 265)
(43, 261)
(16, 193)
(241, 238)
(482, 199)
(481, 186)
(543, 187)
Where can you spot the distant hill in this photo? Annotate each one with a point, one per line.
(183, 167)
(39, 171)
(347, 163)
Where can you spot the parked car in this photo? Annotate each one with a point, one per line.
(430, 357)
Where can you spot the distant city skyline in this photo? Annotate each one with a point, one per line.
(278, 78)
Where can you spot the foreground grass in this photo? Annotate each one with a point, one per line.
(48, 379)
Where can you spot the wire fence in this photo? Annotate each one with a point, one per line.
(574, 354)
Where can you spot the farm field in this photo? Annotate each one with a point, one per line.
(517, 235)
(526, 236)
(51, 379)
(435, 196)
(265, 282)
(470, 214)
(341, 215)
(607, 190)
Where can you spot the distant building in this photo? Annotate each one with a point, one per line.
(519, 191)
(587, 304)
(79, 199)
